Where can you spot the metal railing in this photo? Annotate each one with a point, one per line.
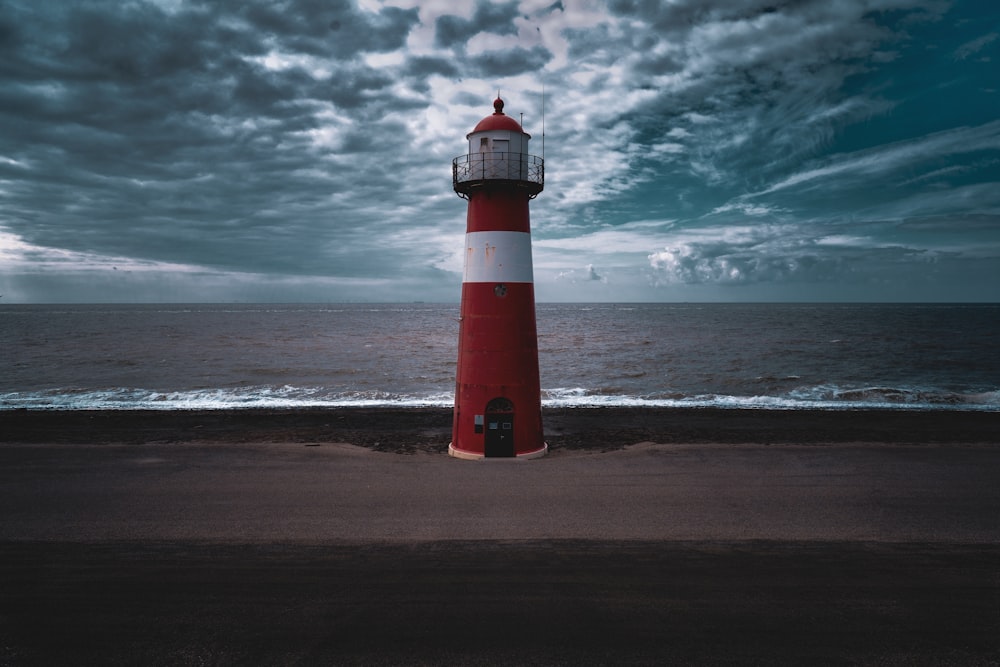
(478, 170)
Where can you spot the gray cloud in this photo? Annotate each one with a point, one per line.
(511, 61)
(975, 46)
(420, 68)
(593, 275)
(324, 28)
(498, 18)
(736, 264)
(772, 253)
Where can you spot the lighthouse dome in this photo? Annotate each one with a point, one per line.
(498, 121)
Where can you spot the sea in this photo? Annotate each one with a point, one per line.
(745, 356)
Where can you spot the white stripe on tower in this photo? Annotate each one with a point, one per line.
(497, 257)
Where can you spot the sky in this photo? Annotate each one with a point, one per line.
(695, 150)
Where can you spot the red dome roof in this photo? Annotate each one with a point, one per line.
(498, 121)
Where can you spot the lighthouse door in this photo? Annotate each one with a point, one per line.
(499, 428)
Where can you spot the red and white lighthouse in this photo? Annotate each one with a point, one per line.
(498, 405)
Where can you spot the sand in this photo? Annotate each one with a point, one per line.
(645, 537)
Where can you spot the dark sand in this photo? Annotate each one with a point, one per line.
(646, 537)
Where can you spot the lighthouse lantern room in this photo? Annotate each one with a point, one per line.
(497, 391)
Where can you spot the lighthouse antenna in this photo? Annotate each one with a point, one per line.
(543, 121)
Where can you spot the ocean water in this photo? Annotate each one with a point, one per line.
(772, 356)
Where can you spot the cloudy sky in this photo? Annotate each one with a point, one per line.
(300, 150)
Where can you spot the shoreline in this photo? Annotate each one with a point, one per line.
(410, 430)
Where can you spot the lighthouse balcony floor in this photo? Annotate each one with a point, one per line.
(466, 188)
(501, 170)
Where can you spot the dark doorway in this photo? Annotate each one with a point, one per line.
(499, 428)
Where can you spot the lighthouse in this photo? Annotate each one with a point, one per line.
(498, 406)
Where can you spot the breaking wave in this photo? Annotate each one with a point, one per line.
(213, 399)
(817, 398)
(824, 397)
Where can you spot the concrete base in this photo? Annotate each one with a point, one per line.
(473, 456)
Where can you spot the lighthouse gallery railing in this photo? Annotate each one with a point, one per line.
(476, 170)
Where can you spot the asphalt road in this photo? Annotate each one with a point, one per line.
(249, 493)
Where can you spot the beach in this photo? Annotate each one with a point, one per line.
(647, 536)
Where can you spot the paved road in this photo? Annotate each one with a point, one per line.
(340, 493)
